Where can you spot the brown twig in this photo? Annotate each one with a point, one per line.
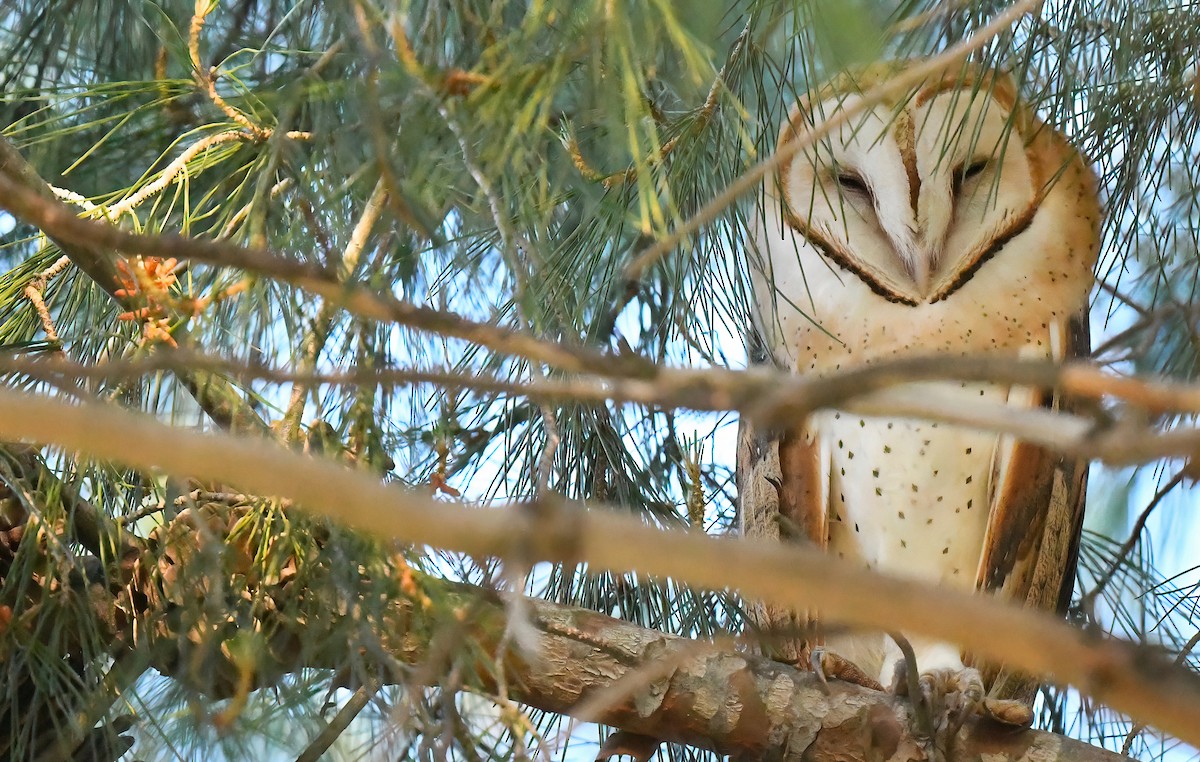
(207, 77)
(760, 390)
(1138, 727)
(330, 733)
(523, 271)
(376, 123)
(34, 291)
(779, 397)
(1088, 601)
(1127, 301)
(170, 172)
(318, 333)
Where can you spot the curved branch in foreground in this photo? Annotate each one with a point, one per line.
(569, 660)
(1132, 680)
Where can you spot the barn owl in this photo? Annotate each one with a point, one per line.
(950, 221)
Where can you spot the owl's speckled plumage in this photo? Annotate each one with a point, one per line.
(951, 222)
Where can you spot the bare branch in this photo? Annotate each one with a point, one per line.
(1181, 658)
(778, 398)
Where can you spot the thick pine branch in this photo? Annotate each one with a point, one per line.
(729, 701)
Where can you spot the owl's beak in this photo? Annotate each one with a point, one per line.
(919, 262)
(922, 271)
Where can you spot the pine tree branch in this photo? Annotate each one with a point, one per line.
(61, 223)
(215, 395)
(711, 695)
(22, 469)
(1130, 679)
(606, 670)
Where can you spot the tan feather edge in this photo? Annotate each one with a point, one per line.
(1031, 546)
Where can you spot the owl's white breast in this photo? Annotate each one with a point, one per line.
(908, 498)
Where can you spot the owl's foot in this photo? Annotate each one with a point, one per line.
(946, 698)
(829, 664)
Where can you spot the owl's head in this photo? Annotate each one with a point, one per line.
(913, 196)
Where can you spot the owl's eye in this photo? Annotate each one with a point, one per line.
(974, 168)
(852, 183)
(969, 172)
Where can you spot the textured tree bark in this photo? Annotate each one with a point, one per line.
(643, 681)
(709, 695)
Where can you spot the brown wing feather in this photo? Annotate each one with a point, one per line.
(780, 490)
(780, 497)
(782, 481)
(1031, 546)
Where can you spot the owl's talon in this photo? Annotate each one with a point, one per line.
(954, 695)
(829, 664)
(1008, 712)
(817, 665)
(906, 683)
